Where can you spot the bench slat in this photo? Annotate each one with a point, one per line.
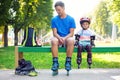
(62, 49)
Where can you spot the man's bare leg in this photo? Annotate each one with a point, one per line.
(70, 47)
(54, 49)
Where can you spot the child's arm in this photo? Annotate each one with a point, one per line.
(77, 37)
(92, 37)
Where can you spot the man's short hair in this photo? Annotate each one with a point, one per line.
(59, 3)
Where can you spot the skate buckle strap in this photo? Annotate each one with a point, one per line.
(55, 64)
(55, 59)
(79, 58)
(68, 59)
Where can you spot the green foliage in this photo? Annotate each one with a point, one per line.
(106, 14)
(1, 29)
(101, 23)
(114, 8)
(34, 13)
(4, 11)
(31, 13)
(5, 18)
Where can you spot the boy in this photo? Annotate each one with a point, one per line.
(85, 41)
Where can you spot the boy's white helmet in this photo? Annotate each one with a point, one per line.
(85, 19)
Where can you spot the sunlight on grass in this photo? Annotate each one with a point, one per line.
(107, 43)
(108, 57)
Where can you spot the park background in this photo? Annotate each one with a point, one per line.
(16, 15)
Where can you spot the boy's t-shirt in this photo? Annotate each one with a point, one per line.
(63, 25)
(85, 37)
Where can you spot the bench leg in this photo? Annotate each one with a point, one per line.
(18, 56)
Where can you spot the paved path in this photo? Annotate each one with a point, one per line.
(75, 74)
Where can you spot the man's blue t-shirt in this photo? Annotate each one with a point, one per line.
(63, 25)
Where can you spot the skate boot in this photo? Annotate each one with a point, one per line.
(68, 65)
(89, 60)
(27, 69)
(55, 66)
(21, 64)
(79, 60)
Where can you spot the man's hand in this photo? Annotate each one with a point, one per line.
(62, 40)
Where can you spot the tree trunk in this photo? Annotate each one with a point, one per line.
(6, 36)
(114, 32)
(2, 39)
(16, 37)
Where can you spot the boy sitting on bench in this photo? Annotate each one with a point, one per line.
(85, 40)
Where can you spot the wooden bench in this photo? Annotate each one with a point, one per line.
(20, 49)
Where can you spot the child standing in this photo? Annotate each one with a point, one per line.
(85, 41)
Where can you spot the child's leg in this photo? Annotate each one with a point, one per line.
(89, 54)
(79, 52)
(79, 55)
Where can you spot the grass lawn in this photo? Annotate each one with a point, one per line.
(44, 60)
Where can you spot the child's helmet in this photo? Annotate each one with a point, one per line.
(85, 19)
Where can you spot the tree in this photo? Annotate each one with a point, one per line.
(114, 8)
(35, 13)
(4, 19)
(101, 23)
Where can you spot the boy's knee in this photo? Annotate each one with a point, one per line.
(89, 46)
(81, 48)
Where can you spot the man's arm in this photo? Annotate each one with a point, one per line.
(55, 34)
(70, 34)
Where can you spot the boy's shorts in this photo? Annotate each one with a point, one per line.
(84, 43)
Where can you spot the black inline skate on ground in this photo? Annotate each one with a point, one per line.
(55, 66)
(79, 60)
(89, 60)
(68, 65)
(21, 64)
(25, 68)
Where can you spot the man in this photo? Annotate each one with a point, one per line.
(63, 27)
